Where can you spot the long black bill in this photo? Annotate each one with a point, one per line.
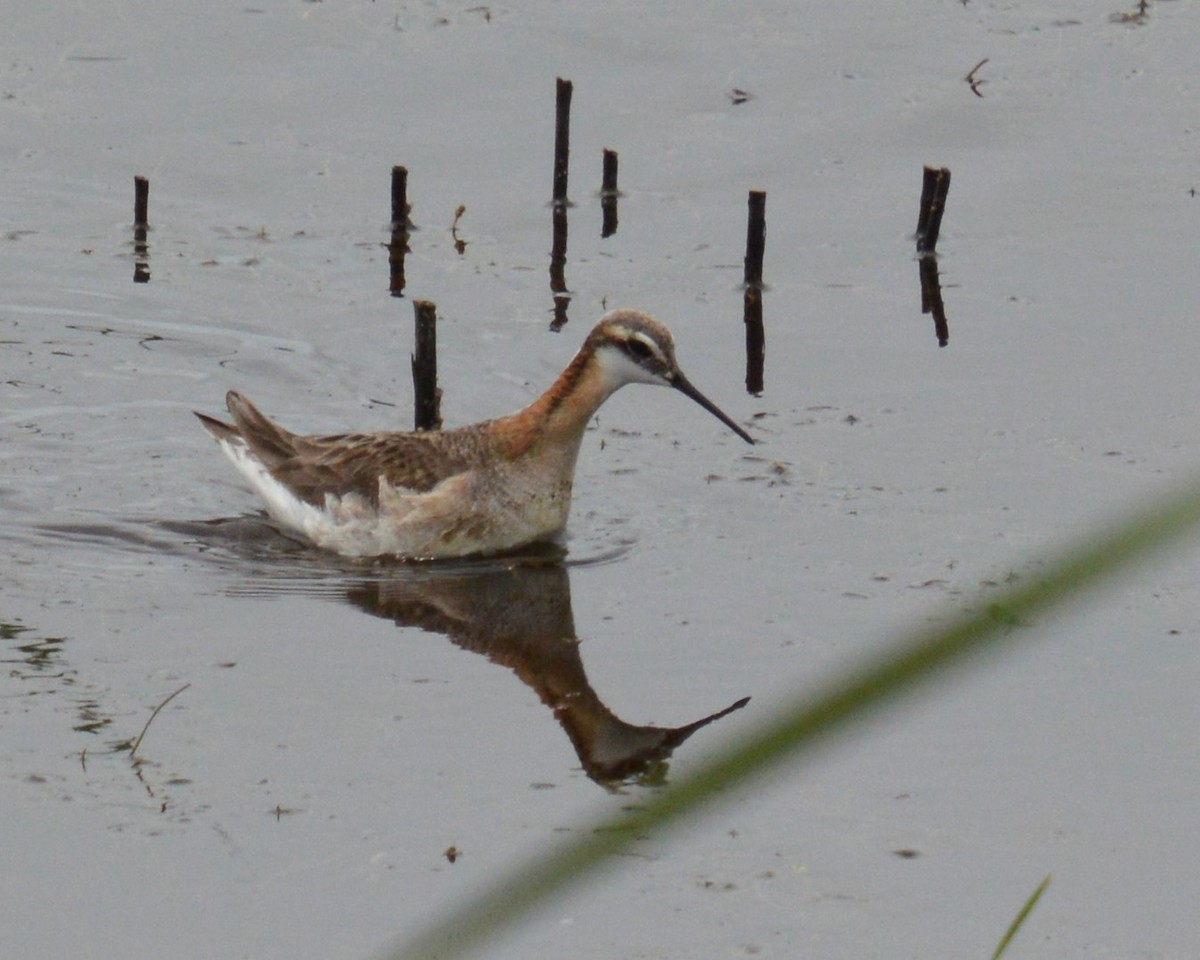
(684, 386)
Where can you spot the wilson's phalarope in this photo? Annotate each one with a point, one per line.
(484, 488)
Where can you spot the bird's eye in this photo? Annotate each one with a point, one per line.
(638, 349)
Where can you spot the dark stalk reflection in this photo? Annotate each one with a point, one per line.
(608, 195)
(397, 248)
(141, 256)
(141, 225)
(558, 266)
(931, 297)
(756, 341)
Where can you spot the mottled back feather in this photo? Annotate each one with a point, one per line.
(354, 463)
(341, 464)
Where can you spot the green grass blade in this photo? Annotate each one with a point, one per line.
(1019, 919)
(798, 728)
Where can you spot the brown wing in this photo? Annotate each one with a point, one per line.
(353, 463)
(312, 466)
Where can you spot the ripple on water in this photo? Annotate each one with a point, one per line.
(265, 560)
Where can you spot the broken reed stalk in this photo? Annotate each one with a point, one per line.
(427, 398)
(400, 205)
(609, 194)
(756, 238)
(141, 202)
(608, 178)
(397, 245)
(138, 742)
(562, 138)
(935, 186)
(752, 314)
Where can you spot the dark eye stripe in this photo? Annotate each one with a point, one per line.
(638, 349)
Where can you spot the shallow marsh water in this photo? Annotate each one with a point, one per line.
(339, 735)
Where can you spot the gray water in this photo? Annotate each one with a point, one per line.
(345, 725)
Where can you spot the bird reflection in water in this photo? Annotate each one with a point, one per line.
(519, 616)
